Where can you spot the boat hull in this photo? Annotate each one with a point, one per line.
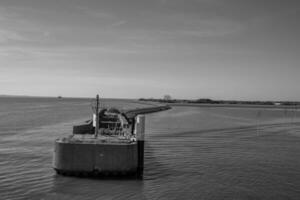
(96, 158)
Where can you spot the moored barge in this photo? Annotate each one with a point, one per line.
(111, 144)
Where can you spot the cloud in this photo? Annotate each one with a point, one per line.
(119, 23)
(15, 28)
(8, 35)
(212, 28)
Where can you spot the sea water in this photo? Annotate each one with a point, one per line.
(190, 152)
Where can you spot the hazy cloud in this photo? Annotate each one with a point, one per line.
(192, 48)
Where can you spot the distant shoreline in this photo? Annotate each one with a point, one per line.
(224, 103)
(233, 105)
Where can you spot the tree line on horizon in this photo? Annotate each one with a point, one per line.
(168, 99)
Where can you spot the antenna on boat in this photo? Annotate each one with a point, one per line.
(97, 116)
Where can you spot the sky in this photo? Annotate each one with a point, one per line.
(189, 49)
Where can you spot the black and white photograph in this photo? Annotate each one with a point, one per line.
(149, 99)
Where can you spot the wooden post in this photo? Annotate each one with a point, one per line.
(140, 134)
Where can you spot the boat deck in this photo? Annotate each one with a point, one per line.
(101, 139)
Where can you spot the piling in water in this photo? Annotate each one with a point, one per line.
(140, 134)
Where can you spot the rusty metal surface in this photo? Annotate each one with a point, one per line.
(95, 157)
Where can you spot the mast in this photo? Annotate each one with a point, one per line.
(97, 116)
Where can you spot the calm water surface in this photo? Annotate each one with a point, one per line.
(190, 153)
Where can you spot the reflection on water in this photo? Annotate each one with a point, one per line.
(195, 153)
